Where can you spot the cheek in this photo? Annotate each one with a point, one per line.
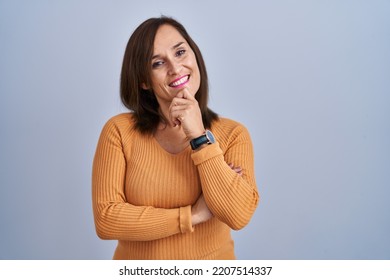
(196, 73)
(157, 79)
(194, 63)
(194, 66)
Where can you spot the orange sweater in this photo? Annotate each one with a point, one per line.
(142, 195)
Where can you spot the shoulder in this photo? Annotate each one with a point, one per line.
(121, 125)
(227, 126)
(121, 119)
(227, 131)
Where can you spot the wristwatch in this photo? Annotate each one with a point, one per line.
(206, 138)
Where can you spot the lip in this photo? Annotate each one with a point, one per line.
(179, 84)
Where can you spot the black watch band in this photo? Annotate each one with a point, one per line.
(206, 138)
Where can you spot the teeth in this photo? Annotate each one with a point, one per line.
(179, 82)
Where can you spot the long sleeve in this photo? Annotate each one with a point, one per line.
(231, 197)
(114, 217)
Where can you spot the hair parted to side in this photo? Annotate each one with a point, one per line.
(136, 70)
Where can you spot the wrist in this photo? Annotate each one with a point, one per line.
(196, 134)
(203, 140)
(194, 218)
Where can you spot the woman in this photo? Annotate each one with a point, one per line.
(170, 179)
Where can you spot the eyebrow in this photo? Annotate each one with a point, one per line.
(174, 47)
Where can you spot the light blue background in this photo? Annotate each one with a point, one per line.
(309, 79)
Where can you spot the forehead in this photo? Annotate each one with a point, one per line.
(166, 37)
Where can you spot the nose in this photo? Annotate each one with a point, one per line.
(174, 67)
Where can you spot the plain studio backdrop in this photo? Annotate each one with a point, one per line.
(309, 79)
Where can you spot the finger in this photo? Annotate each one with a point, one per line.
(176, 121)
(185, 94)
(238, 171)
(182, 93)
(177, 117)
(178, 107)
(177, 102)
(174, 112)
(178, 111)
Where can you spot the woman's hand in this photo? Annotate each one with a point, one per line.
(200, 212)
(184, 110)
(237, 169)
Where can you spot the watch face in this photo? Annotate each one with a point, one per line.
(210, 136)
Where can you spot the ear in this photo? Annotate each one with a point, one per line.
(144, 86)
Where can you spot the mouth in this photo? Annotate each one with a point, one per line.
(180, 82)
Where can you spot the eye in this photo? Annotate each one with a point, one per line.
(180, 52)
(157, 64)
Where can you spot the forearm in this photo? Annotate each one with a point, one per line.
(231, 197)
(123, 221)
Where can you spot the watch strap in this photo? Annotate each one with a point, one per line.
(199, 141)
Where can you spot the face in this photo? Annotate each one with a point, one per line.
(173, 65)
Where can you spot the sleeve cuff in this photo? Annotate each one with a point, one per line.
(185, 219)
(206, 153)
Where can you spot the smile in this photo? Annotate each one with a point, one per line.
(180, 81)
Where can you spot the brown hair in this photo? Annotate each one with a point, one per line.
(136, 69)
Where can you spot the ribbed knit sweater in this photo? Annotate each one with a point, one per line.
(142, 194)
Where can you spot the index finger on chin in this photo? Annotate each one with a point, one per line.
(185, 93)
